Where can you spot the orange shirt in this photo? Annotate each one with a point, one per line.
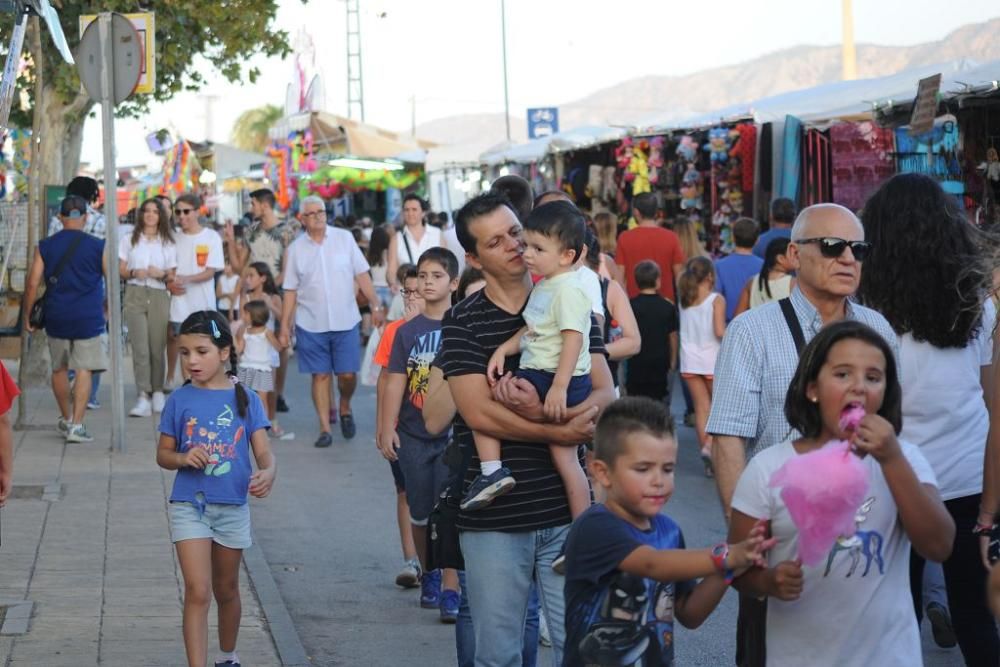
(655, 243)
(385, 343)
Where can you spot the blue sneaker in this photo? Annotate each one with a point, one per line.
(487, 488)
(449, 606)
(430, 590)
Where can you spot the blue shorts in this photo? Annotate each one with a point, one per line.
(577, 392)
(228, 525)
(426, 475)
(397, 476)
(337, 352)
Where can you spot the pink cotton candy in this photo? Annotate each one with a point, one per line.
(823, 491)
(851, 417)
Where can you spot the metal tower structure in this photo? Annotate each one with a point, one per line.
(355, 80)
(849, 55)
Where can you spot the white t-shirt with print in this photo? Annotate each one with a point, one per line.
(855, 607)
(944, 412)
(195, 253)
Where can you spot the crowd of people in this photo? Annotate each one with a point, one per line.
(525, 357)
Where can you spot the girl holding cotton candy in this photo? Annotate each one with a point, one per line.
(845, 502)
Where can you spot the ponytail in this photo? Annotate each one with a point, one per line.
(242, 400)
(775, 249)
(695, 271)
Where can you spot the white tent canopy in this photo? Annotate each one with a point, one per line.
(560, 142)
(841, 99)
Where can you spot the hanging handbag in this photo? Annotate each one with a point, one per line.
(36, 316)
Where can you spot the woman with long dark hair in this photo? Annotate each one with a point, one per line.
(147, 260)
(929, 276)
(378, 260)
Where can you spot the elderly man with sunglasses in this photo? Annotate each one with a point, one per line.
(760, 352)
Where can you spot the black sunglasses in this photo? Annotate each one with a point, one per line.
(182, 211)
(831, 246)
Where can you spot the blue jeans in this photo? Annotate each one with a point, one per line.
(465, 638)
(499, 571)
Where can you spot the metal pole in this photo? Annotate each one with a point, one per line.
(111, 249)
(13, 61)
(503, 39)
(34, 194)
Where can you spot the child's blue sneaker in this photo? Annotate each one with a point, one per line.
(449, 606)
(487, 488)
(430, 589)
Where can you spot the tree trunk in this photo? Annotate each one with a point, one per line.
(62, 127)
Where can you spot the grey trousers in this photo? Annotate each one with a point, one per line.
(146, 313)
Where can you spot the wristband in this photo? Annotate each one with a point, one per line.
(720, 553)
(983, 528)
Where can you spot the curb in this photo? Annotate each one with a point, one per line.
(286, 638)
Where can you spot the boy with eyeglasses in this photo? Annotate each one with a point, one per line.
(199, 258)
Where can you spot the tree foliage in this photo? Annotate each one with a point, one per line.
(226, 33)
(250, 129)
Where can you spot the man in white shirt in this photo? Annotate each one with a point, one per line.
(321, 269)
(199, 258)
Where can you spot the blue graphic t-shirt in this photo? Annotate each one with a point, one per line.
(612, 617)
(208, 418)
(413, 349)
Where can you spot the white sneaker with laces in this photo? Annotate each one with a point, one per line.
(159, 400)
(143, 408)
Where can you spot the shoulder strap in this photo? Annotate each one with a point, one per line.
(409, 253)
(793, 324)
(607, 313)
(68, 255)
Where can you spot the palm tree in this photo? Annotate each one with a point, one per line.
(250, 129)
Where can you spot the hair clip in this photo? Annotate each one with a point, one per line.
(215, 330)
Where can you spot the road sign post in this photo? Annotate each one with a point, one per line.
(110, 65)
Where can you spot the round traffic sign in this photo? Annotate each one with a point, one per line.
(126, 59)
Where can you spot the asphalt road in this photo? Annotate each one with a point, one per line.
(329, 534)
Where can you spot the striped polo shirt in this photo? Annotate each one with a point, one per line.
(470, 334)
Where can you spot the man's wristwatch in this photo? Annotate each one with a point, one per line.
(720, 552)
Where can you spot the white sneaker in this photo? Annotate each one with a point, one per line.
(159, 400)
(142, 408)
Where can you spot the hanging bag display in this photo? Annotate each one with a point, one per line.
(36, 316)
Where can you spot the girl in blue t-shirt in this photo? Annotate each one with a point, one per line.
(207, 430)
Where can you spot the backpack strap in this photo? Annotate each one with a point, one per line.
(793, 324)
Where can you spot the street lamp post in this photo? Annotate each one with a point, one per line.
(503, 38)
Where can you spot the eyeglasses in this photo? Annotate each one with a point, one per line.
(407, 293)
(314, 214)
(831, 246)
(182, 211)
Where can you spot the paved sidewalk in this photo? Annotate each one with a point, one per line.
(91, 550)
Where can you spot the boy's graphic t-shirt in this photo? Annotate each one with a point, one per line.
(413, 349)
(612, 617)
(208, 418)
(856, 603)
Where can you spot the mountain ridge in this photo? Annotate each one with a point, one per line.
(791, 68)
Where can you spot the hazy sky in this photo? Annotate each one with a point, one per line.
(447, 53)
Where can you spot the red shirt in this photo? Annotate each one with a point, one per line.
(8, 390)
(655, 243)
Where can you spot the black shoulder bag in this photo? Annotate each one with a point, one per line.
(36, 317)
(793, 324)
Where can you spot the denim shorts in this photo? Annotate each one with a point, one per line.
(425, 472)
(336, 352)
(228, 525)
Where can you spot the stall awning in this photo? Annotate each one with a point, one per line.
(561, 142)
(338, 134)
